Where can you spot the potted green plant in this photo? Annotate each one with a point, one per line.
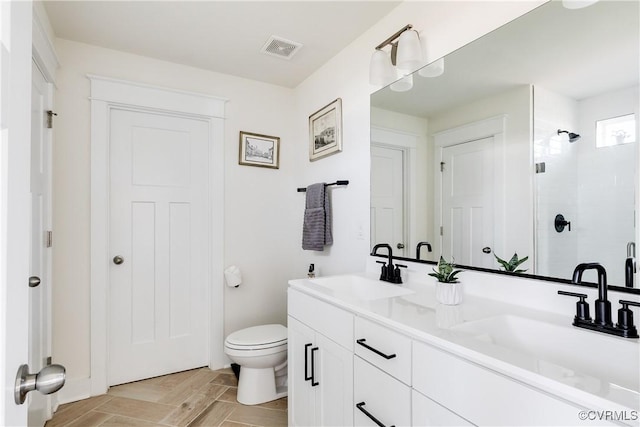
(513, 264)
(448, 287)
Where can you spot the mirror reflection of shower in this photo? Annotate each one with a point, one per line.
(573, 137)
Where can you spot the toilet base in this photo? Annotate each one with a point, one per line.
(258, 386)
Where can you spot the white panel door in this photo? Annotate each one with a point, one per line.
(15, 111)
(467, 203)
(387, 198)
(40, 295)
(158, 226)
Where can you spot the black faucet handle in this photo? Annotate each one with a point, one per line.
(582, 306)
(625, 319)
(383, 270)
(397, 276)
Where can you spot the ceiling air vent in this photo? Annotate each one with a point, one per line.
(282, 48)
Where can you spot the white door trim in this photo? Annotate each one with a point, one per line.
(492, 127)
(44, 54)
(106, 94)
(408, 143)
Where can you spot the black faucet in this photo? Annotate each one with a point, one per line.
(421, 244)
(602, 323)
(387, 272)
(629, 269)
(603, 306)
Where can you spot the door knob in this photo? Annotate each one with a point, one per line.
(400, 246)
(486, 250)
(49, 380)
(34, 281)
(117, 260)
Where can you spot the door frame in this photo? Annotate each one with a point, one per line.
(491, 127)
(46, 60)
(107, 94)
(407, 143)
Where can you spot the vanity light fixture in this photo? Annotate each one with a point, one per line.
(435, 69)
(406, 55)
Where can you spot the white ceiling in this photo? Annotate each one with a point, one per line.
(221, 36)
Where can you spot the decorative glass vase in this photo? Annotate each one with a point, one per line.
(449, 293)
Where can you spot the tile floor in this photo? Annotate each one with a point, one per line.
(199, 397)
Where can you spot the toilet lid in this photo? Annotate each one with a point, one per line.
(256, 336)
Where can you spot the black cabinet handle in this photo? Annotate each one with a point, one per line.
(307, 377)
(313, 363)
(360, 406)
(362, 341)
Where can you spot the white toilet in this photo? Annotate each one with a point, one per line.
(261, 352)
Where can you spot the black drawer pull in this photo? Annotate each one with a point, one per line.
(307, 377)
(371, 417)
(313, 363)
(361, 341)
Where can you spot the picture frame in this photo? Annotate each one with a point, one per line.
(259, 150)
(325, 130)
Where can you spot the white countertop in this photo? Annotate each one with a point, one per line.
(419, 316)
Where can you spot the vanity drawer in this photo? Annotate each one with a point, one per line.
(325, 318)
(380, 395)
(463, 387)
(384, 348)
(428, 413)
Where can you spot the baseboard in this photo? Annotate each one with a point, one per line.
(74, 390)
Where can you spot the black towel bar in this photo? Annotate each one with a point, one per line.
(339, 182)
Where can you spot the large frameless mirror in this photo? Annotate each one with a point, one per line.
(526, 144)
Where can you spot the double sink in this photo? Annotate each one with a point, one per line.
(587, 359)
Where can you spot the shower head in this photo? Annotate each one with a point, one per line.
(573, 137)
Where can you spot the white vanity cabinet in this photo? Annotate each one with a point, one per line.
(379, 398)
(320, 360)
(382, 375)
(485, 397)
(428, 413)
(384, 348)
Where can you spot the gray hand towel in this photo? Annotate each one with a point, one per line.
(316, 228)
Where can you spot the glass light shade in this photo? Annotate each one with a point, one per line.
(409, 55)
(434, 69)
(381, 71)
(577, 4)
(402, 85)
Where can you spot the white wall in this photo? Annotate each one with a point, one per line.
(260, 229)
(556, 253)
(262, 208)
(446, 26)
(607, 177)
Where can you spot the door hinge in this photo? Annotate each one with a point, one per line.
(48, 239)
(441, 230)
(541, 167)
(50, 115)
(441, 166)
(48, 361)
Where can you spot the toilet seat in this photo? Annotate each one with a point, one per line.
(261, 337)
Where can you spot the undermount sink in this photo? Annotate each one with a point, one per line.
(573, 353)
(360, 287)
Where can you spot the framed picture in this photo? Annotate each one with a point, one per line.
(325, 130)
(259, 150)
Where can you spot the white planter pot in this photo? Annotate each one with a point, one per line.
(449, 293)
